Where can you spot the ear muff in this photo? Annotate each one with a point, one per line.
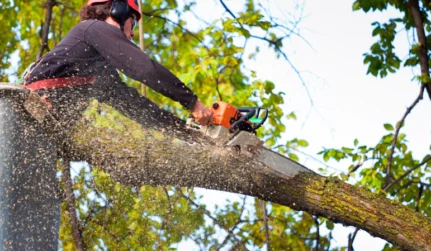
(120, 12)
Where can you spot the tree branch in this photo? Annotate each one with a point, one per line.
(74, 222)
(239, 221)
(207, 213)
(277, 48)
(394, 141)
(356, 167)
(265, 224)
(421, 189)
(428, 158)
(229, 11)
(316, 221)
(352, 237)
(423, 47)
(48, 16)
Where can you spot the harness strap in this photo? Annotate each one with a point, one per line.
(60, 82)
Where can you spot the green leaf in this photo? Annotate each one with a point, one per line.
(293, 156)
(344, 177)
(302, 143)
(356, 6)
(326, 156)
(291, 116)
(347, 150)
(329, 224)
(388, 127)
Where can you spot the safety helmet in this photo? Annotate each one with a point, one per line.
(132, 4)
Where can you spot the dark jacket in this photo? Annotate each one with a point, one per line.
(96, 48)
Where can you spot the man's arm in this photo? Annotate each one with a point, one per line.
(125, 56)
(122, 54)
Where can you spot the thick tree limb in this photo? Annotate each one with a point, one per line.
(205, 165)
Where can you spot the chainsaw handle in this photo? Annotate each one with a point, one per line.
(250, 112)
(263, 119)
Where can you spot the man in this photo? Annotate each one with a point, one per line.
(86, 62)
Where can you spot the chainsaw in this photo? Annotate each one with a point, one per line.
(235, 128)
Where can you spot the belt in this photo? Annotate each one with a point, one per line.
(53, 83)
(60, 82)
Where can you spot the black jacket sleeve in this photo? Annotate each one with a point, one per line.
(122, 54)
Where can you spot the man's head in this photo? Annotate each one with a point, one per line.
(120, 13)
(117, 6)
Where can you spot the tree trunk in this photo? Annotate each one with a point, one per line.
(118, 147)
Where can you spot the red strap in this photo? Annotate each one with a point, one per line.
(60, 82)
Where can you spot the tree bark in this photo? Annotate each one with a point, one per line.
(160, 161)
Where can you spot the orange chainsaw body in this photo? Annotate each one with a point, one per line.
(224, 114)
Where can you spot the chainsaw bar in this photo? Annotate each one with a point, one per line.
(281, 163)
(248, 144)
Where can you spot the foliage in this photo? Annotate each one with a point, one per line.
(383, 59)
(391, 161)
(390, 167)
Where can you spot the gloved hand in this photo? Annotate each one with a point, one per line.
(202, 115)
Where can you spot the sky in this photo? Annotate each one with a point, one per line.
(347, 104)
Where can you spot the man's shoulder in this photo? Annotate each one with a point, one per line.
(89, 23)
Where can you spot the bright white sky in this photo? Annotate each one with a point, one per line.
(348, 104)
